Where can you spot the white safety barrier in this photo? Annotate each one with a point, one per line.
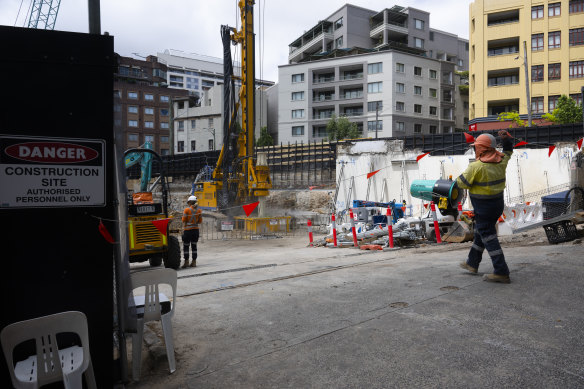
(519, 215)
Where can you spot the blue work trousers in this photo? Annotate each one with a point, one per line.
(487, 212)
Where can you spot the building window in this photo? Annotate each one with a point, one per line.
(433, 130)
(417, 128)
(211, 144)
(400, 106)
(148, 124)
(339, 23)
(132, 123)
(447, 129)
(447, 77)
(164, 112)
(554, 71)
(418, 90)
(554, 9)
(417, 71)
(374, 68)
(133, 95)
(537, 12)
(433, 93)
(193, 124)
(164, 125)
(297, 78)
(447, 96)
(400, 68)
(163, 139)
(537, 104)
(148, 111)
(371, 125)
(133, 137)
(576, 6)
(181, 125)
(433, 111)
(132, 109)
(193, 145)
(297, 130)
(502, 80)
(554, 39)
(180, 146)
(400, 126)
(419, 43)
(447, 113)
(117, 93)
(419, 24)
(297, 113)
(148, 97)
(537, 73)
(577, 37)
(400, 88)
(552, 102)
(460, 63)
(374, 87)
(576, 69)
(164, 152)
(210, 123)
(417, 108)
(149, 138)
(431, 39)
(577, 97)
(372, 106)
(164, 99)
(339, 42)
(297, 96)
(536, 42)
(433, 74)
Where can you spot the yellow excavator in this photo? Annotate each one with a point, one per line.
(238, 178)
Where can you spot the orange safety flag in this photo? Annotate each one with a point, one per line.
(551, 150)
(161, 225)
(248, 208)
(421, 156)
(469, 138)
(104, 232)
(579, 143)
(522, 143)
(369, 175)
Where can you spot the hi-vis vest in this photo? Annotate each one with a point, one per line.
(192, 217)
(485, 180)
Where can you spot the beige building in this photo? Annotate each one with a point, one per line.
(552, 33)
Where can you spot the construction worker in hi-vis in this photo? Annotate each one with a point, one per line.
(485, 180)
(191, 218)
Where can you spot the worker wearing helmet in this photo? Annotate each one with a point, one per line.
(485, 180)
(191, 219)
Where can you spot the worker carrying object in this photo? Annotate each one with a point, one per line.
(191, 218)
(485, 180)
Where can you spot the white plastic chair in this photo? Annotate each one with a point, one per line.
(153, 306)
(49, 364)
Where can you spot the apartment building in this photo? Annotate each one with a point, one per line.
(142, 103)
(387, 72)
(548, 36)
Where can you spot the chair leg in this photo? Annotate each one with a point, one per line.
(137, 350)
(73, 380)
(166, 321)
(90, 376)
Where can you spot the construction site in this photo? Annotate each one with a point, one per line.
(345, 263)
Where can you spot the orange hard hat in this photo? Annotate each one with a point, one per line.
(486, 140)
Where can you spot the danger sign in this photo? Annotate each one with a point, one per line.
(51, 172)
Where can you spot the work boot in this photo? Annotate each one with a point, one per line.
(194, 263)
(186, 264)
(497, 278)
(468, 267)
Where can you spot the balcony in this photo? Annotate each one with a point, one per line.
(352, 113)
(323, 115)
(348, 77)
(314, 40)
(323, 79)
(390, 19)
(323, 98)
(351, 94)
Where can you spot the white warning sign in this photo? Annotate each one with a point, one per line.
(40, 172)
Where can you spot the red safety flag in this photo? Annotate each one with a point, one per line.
(369, 175)
(472, 127)
(469, 138)
(426, 206)
(522, 143)
(161, 225)
(579, 143)
(105, 233)
(421, 156)
(312, 187)
(248, 208)
(551, 150)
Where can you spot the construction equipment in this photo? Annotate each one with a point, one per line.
(43, 14)
(146, 240)
(446, 195)
(238, 178)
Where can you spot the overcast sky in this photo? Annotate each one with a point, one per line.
(149, 26)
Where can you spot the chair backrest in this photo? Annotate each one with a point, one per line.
(44, 330)
(150, 279)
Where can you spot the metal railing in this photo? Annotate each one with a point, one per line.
(352, 77)
(322, 80)
(323, 98)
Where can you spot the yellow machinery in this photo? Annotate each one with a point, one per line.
(237, 178)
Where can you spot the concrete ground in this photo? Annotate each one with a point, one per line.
(274, 313)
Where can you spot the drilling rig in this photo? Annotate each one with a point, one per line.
(238, 178)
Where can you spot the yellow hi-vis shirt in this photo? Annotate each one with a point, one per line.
(485, 180)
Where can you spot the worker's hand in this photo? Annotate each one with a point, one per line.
(504, 134)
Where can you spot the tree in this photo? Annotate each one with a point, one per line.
(265, 138)
(341, 128)
(513, 117)
(566, 112)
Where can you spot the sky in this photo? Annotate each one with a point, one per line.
(146, 27)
